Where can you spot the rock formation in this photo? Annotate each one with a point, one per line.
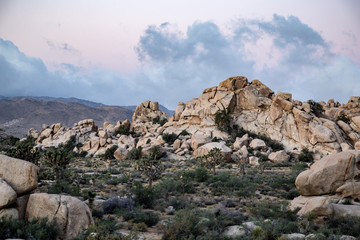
(326, 185)
(18, 179)
(252, 105)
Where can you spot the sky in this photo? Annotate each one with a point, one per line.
(124, 52)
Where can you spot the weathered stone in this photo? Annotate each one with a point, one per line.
(234, 231)
(349, 189)
(356, 121)
(71, 215)
(322, 134)
(102, 134)
(177, 144)
(319, 205)
(254, 161)
(21, 175)
(279, 156)
(33, 132)
(234, 83)
(7, 194)
(198, 140)
(329, 173)
(257, 144)
(9, 212)
(206, 148)
(120, 153)
(357, 145)
(295, 236)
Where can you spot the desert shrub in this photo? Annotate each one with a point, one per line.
(315, 107)
(298, 168)
(143, 196)
(344, 118)
(7, 142)
(140, 216)
(201, 175)
(63, 186)
(34, 229)
(273, 210)
(123, 130)
(237, 131)
(179, 202)
(344, 226)
(225, 183)
(116, 203)
(222, 119)
(151, 165)
(25, 150)
(196, 224)
(109, 153)
(184, 133)
(169, 137)
(305, 155)
(97, 213)
(158, 120)
(134, 154)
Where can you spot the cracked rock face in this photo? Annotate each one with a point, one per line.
(71, 214)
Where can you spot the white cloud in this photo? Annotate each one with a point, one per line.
(284, 53)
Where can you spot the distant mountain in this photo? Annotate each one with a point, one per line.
(19, 114)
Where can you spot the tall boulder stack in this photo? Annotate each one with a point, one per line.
(18, 179)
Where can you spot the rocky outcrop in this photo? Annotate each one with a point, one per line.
(70, 214)
(256, 108)
(327, 183)
(17, 180)
(147, 111)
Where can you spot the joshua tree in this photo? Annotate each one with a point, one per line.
(58, 159)
(150, 165)
(214, 158)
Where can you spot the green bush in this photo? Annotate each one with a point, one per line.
(123, 130)
(184, 133)
(222, 119)
(225, 183)
(34, 229)
(169, 137)
(306, 155)
(109, 153)
(344, 118)
(25, 150)
(158, 120)
(201, 175)
(316, 107)
(134, 154)
(140, 216)
(63, 186)
(143, 196)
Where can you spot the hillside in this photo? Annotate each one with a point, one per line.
(18, 115)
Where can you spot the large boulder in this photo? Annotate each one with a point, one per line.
(70, 214)
(205, 149)
(21, 175)
(329, 173)
(279, 156)
(7, 194)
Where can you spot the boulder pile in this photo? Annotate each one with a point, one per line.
(331, 187)
(18, 179)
